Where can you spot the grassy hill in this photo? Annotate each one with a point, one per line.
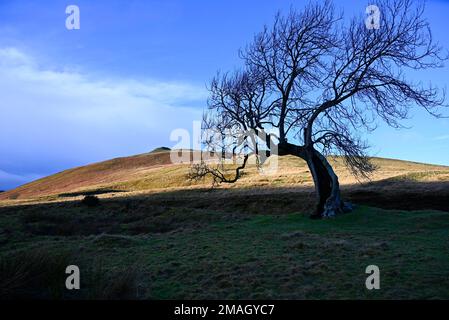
(154, 171)
(156, 235)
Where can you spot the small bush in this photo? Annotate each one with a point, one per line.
(91, 201)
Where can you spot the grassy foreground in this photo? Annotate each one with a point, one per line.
(133, 249)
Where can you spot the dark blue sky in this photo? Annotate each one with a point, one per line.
(135, 71)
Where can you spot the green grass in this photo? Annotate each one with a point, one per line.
(138, 249)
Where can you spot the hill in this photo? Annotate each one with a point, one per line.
(154, 171)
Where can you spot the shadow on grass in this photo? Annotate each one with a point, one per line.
(89, 193)
(199, 243)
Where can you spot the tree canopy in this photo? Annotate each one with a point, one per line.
(320, 82)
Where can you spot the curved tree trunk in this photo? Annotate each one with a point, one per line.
(327, 187)
(329, 202)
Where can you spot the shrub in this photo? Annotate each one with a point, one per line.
(90, 201)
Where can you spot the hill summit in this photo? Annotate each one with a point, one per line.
(160, 149)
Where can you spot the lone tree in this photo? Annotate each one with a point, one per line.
(320, 82)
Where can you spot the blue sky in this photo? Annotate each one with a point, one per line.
(135, 71)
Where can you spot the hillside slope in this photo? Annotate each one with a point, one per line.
(154, 171)
(97, 174)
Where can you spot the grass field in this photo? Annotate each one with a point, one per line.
(139, 250)
(252, 240)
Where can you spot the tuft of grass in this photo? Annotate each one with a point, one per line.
(36, 273)
(40, 274)
(120, 283)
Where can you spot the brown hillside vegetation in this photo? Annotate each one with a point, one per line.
(391, 184)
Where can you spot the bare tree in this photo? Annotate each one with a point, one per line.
(320, 82)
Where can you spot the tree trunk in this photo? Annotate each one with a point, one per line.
(329, 202)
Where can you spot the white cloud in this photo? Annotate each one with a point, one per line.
(12, 56)
(65, 118)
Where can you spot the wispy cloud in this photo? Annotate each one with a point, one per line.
(9, 180)
(56, 119)
(443, 137)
